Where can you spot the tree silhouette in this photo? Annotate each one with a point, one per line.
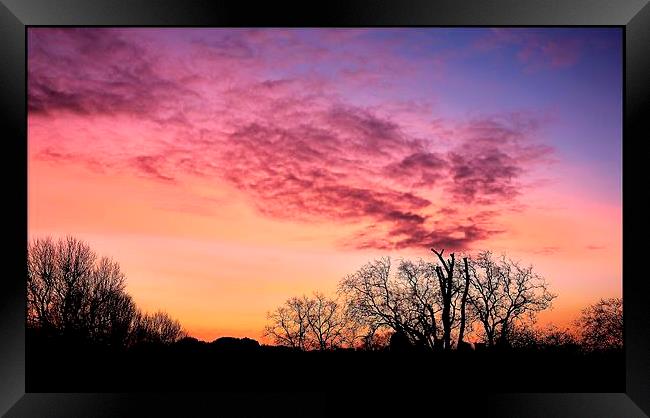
(289, 324)
(316, 322)
(376, 341)
(402, 300)
(418, 299)
(422, 300)
(503, 293)
(601, 325)
(452, 283)
(446, 286)
(326, 321)
(67, 291)
(524, 336)
(74, 294)
(84, 329)
(119, 316)
(553, 337)
(75, 261)
(109, 310)
(42, 272)
(463, 303)
(157, 328)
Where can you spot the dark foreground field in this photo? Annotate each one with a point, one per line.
(60, 368)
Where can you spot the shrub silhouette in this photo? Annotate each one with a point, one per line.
(399, 342)
(235, 344)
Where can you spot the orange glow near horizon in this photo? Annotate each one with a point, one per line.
(247, 167)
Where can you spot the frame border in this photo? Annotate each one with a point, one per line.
(15, 15)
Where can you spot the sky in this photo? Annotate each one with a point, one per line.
(227, 170)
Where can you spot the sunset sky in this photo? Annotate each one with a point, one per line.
(229, 169)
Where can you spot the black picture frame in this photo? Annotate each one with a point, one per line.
(15, 15)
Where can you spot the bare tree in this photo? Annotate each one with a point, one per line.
(555, 337)
(316, 322)
(41, 276)
(370, 296)
(289, 324)
(326, 321)
(104, 295)
(157, 328)
(421, 302)
(377, 341)
(463, 303)
(72, 293)
(402, 299)
(352, 331)
(121, 314)
(526, 336)
(601, 325)
(504, 293)
(446, 287)
(68, 290)
(453, 284)
(75, 263)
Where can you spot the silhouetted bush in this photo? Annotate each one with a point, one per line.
(399, 342)
(235, 344)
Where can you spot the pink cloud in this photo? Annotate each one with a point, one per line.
(298, 149)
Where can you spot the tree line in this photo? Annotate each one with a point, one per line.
(435, 305)
(74, 294)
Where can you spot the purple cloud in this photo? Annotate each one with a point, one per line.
(96, 72)
(292, 144)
